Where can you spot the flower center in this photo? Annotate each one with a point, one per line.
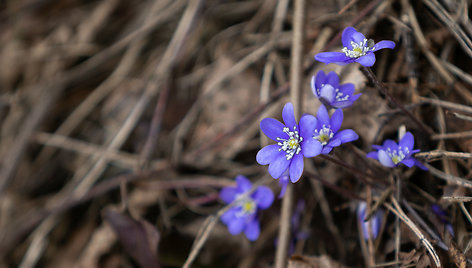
(323, 135)
(247, 205)
(339, 96)
(290, 146)
(397, 156)
(359, 49)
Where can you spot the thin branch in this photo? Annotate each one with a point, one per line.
(296, 73)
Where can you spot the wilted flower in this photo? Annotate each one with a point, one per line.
(293, 143)
(374, 222)
(356, 48)
(391, 154)
(327, 89)
(243, 215)
(327, 130)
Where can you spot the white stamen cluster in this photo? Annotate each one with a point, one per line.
(323, 135)
(397, 156)
(290, 146)
(339, 95)
(359, 49)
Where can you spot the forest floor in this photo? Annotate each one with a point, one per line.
(121, 121)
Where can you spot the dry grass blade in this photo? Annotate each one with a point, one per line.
(296, 72)
(400, 214)
(454, 27)
(440, 154)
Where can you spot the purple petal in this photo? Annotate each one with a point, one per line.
(333, 79)
(355, 97)
(407, 141)
(328, 93)
(314, 86)
(228, 194)
(267, 154)
(348, 36)
(320, 79)
(283, 182)
(336, 120)
(333, 142)
(420, 165)
(384, 159)
(389, 144)
(307, 126)
(342, 104)
(384, 44)
(296, 168)
(377, 147)
(409, 162)
(326, 149)
(273, 129)
(229, 216)
(367, 60)
(346, 135)
(323, 116)
(373, 155)
(311, 147)
(252, 230)
(263, 197)
(278, 166)
(333, 57)
(236, 226)
(347, 89)
(289, 116)
(358, 37)
(243, 184)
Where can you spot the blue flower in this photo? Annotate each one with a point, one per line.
(293, 143)
(327, 89)
(356, 48)
(443, 217)
(327, 130)
(375, 221)
(391, 154)
(243, 215)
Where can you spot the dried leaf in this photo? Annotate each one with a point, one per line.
(138, 237)
(457, 255)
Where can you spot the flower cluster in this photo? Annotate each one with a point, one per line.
(243, 215)
(311, 136)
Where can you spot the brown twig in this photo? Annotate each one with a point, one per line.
(373, 79)
(439, 154)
